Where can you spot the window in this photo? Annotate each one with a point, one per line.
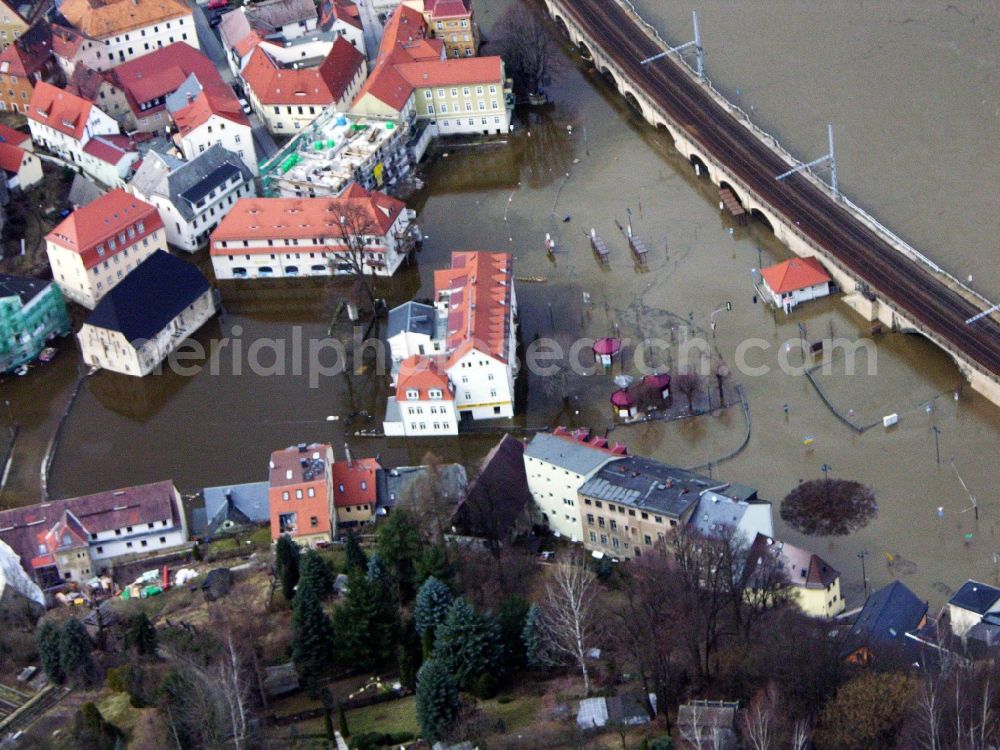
(143, 543)
(493, 89)
(658, 519)
(163, 540)
(590, 519)
(100, 549)
(604, 538)
(298, 494)
(311, 492)
(614, 525)
(430, 109)
(313, 521)
(412, 393)
(593, 536)
(648, 539)
(285, 496)
(428, 94)
(128, 544)
(600, 521)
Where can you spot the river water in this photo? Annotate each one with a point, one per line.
(589, 159)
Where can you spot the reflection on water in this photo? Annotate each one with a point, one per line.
(209, 430)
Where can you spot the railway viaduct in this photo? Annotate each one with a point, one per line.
(882, 277)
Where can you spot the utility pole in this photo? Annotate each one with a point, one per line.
(829, 159)
(937, 447)
(826, 468)
(699, 51)
(864, 575)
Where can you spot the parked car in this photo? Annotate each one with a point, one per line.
(246, 106)
(47, 354)
(216, 4)
(214, 21)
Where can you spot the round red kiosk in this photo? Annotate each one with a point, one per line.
(659, 382)
(624, 405)
(606, 349)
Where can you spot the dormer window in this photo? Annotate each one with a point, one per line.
(434, 393)
(412, 393)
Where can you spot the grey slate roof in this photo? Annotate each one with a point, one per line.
(566, 453)
(413, 317)
(649, 485)
(976, 597)
(273, 14)
(240, 503)
(887, 616)
(182, 182)
(149, 297)
(184, 94)
(83, 192)
(25, 287)
(715, 511)
(403, 480)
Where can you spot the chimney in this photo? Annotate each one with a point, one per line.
(348, 456)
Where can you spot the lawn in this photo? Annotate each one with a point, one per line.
(518, 711)
(391, 717)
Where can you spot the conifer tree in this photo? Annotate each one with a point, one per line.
(437, 700)
(534, 639)
(48, 652)
(467, 643)
(376, 570)
(367, 624)
(432, 604)
(512, 617)
(356, 557)
(74, 654)
(141, 635)
(315, 572)
(312, 636)
(399, 547)
(286, 564)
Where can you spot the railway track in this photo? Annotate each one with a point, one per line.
(909, 286)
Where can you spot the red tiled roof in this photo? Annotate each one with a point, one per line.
(161, 72)
(342, 10)
(208, 103)
(59, 109)
(453, 72)
(795, 274)
(324, 84)
(354, 483)
(296, 218)
(100, 19)
(106, 149)
(582, 436)
(87, 227)
(12, 136)
(11, 157)
(480, 285)
(421, 374)
(86, 82)
(66, 42)
(448, 8)
(104, 511)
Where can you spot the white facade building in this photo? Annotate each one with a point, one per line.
(290, 237)
(425, 401)
(193, 196)
(147, 316)
(64, 124)
(204, 117)
(121, 30)
(557, 464)
(472, 337)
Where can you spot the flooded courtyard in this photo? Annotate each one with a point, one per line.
(585, 162)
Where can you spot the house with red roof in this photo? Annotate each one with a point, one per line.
(292, 32)
(100, 88)
(413, 76)
(12, 23)
(104, 33)
(289, 97)
(23, 64)
(22, 168)
(424, 404)
(78, 538)
(207, 112)
(356, 485)
(793, 281)
(301, 494)
(451, 21)
(96, 246)
(292, 237)
(109, 159)
(64, 124)
(473, 342)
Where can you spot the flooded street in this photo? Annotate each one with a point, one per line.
(588, 158)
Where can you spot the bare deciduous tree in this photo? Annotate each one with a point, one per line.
(800, 735)
(702, 731)
(689, 384)
(528, 48)
(355, 252)
(759, 722)
(233, 687)
(570, 614)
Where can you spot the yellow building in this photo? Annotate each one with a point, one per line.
(814, 584)
(12, 25)
(451, 21)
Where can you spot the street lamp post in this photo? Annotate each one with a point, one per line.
(937, 447)
(864, 575)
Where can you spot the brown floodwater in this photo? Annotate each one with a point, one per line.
(589, 159)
